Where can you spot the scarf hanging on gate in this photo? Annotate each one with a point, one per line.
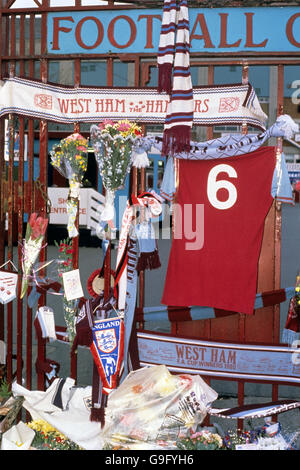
(174, 56)
(148, 256)
(195, 313)
(229, 145)
(125, 287)
(91, 310)
(148, 200)
(131, 291)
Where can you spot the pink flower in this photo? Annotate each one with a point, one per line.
(124, 127)
(162, 443)
(126, 420)
(38, 226)
(75, 137)
(106, 122)
(81, 148)
(184, 378)
(32, 219)
(195, 435)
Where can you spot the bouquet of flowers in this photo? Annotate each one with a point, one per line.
(69, 157)
(113, 146)
(35, 232)
(70, 306)
(201, 440)
(151, 408)
(49, 438)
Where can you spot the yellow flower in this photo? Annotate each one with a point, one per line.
(165, 385)
(41, 426)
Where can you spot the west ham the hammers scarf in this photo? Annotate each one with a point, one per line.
(174, 56)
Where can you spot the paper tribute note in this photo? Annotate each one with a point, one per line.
(72, 285)
(8, 286)
(45, 315)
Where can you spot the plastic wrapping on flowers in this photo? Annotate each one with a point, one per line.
(153, 409)
(112, 143)
(70, 159)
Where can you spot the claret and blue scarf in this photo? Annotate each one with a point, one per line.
(174, 76)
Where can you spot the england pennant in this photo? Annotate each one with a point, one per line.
(108, 349)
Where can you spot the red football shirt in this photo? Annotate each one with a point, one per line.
(220, 212)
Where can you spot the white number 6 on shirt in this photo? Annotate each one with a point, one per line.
(213, 187)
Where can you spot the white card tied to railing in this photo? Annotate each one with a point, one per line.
(8, 283)
(72, 284)
(221, 104)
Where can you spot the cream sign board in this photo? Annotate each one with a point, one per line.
(58, 198)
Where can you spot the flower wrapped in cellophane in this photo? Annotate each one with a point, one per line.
(32, 245)
(152, 409)
(70, 158)
(70, 306)
(113, 146)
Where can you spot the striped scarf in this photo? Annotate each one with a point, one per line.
(145, 199)
(193, 313)
(174, 56)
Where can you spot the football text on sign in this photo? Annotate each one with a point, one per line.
(267, 29)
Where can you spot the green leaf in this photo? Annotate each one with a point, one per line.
(4, 390)
(28, 232)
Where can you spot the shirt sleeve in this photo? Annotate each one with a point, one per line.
(281, 185)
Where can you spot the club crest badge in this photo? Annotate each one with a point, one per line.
(106, 340)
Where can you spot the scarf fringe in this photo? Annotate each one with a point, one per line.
(98, 411)
(176, 140)
(165, 78)
(98, 415)
(148, 261)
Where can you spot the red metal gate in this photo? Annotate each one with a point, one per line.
(24, 53)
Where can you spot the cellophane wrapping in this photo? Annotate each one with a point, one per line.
(153, 408)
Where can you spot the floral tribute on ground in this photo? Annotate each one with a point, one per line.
(49, 438)
(153, 409)
(200, 440)
(113, 145)
(70, 158)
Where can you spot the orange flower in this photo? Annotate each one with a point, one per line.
(137, 388)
